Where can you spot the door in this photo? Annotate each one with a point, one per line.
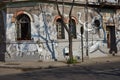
(111, 39)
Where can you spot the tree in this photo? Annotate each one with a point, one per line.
(68, 29)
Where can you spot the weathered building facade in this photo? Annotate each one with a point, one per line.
(32, 30)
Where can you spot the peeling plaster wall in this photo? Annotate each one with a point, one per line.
(44, 45)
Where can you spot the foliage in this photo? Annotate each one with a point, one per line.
(72, 61)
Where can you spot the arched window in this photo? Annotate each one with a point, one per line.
(73, 28)
(60, 29)
(23, 27)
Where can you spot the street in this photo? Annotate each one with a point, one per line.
(97, 71)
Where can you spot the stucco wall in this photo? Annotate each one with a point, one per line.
(44, 44)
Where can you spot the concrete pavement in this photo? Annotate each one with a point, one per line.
(56, 64)
(106, 68)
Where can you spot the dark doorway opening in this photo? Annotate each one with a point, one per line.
(111, 39)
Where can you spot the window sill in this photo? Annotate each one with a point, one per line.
(25, 41)
(66, 40)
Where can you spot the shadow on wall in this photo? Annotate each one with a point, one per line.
(2, 36)
(49, 42)
(41, 29)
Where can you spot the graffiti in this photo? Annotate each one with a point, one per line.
(118, 32)
(10, 29)
(41, 29)
(28, 49)
(44, 36)
(40, 24)
(96, 32)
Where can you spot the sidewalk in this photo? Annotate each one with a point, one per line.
(56, 64)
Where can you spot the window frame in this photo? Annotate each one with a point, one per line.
(22, 20)
(73, 30)
(60, 29)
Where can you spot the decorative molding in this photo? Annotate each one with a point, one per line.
(19, 13)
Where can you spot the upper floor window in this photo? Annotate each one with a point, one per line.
(23, 27)
(60, 29)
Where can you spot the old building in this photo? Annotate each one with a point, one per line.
(33, 30)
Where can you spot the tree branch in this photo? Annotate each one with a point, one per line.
(62, 18)
(71, 8)
(70, 17)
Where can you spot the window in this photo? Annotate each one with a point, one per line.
(97, 23)
(60, 29)
(73, 28)
(23, 27)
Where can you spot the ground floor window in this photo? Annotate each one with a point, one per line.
(72, 26)
(23, 27)
(60, 29)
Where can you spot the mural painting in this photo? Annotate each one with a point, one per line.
(43, 43)
(43, 34)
